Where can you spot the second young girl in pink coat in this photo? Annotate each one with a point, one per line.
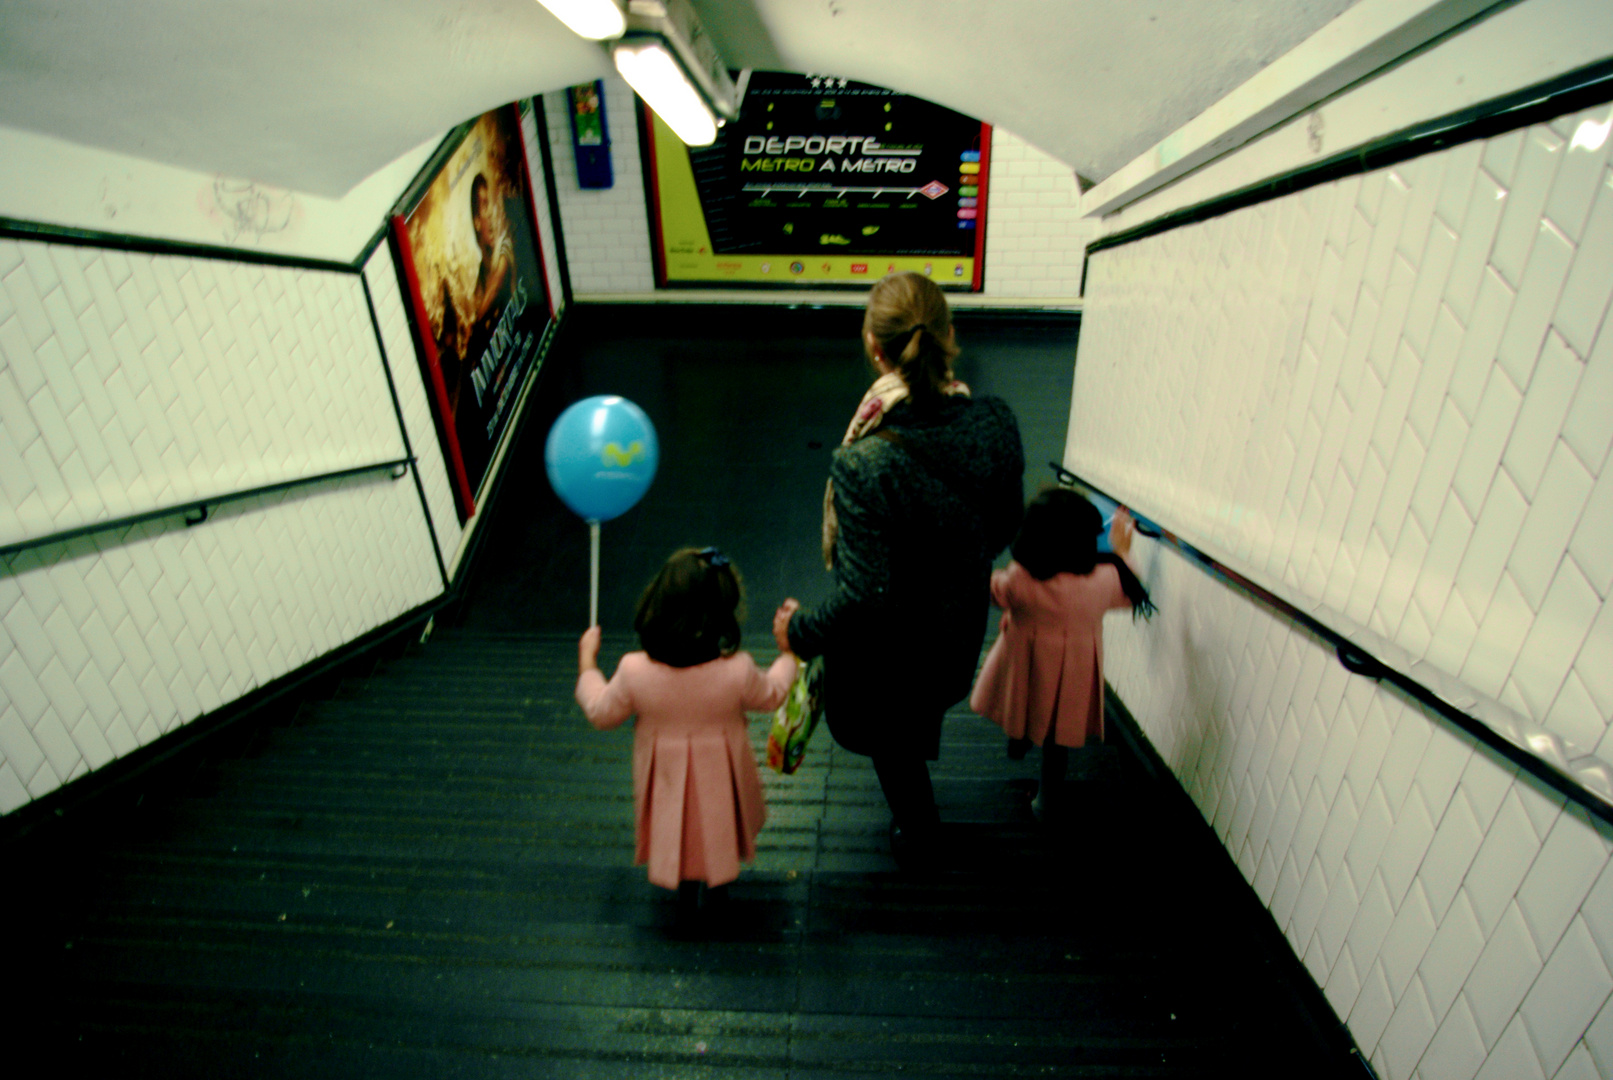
(1042, 681)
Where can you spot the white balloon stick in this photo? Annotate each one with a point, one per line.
(593, 573)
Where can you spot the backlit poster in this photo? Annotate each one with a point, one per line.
(822, 182)
(468, 250)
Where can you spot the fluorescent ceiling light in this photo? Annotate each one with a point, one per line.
(596, 20)
(651, 71)
(1591, 135)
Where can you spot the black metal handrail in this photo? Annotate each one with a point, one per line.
(1541, 753)
(202, 507)
(1582, 88)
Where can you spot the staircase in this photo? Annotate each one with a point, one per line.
(429, 874)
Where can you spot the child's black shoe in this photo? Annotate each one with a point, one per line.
(688, 909)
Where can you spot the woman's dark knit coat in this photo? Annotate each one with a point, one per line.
(920, 521)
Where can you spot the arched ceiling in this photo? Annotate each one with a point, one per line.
(315, 95)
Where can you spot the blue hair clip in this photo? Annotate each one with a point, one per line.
(712, 556)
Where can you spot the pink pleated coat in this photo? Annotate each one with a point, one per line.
(696, 792)
(1045, 670)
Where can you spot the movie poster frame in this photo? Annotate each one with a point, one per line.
(465, 498)
(650, 164)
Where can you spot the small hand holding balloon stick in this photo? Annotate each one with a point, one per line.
(601, 457)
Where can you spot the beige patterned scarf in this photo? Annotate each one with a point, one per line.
(887, 390)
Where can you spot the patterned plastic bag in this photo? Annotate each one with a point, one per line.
(797, 718)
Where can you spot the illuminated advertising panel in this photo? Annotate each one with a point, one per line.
(822, 182)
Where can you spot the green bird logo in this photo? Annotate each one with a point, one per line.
(615, 455)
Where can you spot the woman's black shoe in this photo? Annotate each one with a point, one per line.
(913, 851)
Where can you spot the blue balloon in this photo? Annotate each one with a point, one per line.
(601, 456)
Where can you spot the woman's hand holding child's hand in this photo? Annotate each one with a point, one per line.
(781, 623)
(588, 650)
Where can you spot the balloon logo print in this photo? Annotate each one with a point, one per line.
(615, 455)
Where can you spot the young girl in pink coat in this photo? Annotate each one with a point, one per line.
(1042, 681)
(696, 792)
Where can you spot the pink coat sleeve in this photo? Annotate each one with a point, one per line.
(605, 704)
(1113, 595)
(765, 691)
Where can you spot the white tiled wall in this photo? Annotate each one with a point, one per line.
(129, 382)
(607, 229)
(1035, 237)
(1390, 399)
(552, 269)
(133, 382)
(1458, 917)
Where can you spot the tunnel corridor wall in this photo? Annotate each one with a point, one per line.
(1386, 398)
(143, 373)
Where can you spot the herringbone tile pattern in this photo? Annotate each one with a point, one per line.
(130, 382)
(1389, 398)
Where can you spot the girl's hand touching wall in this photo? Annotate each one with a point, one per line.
(1121, 529)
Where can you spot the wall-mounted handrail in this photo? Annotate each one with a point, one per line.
(1582, 778)
(399, 467)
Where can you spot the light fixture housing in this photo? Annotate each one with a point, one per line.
(668, 59)
(656, 77)
(597, 20)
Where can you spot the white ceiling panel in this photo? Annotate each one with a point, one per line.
(315, 95)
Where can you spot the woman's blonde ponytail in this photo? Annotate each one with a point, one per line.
(909, 318)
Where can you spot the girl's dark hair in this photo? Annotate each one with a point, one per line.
(1059, 535)
(908, 315)
(692, 610)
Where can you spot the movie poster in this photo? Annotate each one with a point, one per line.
(823, 181)
(469, 253)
